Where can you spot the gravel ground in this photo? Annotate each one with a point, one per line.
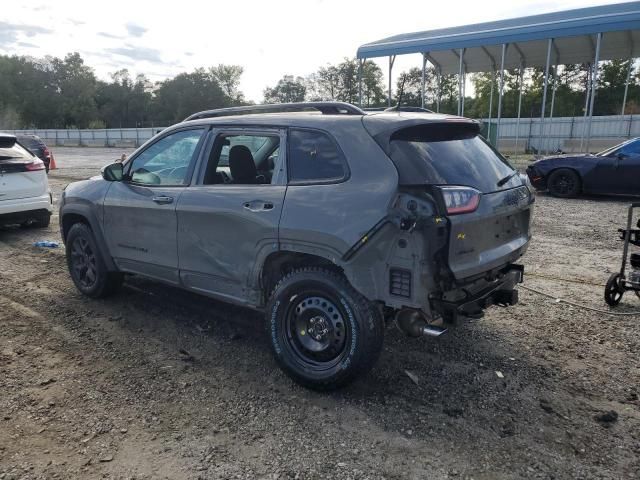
(159, 383)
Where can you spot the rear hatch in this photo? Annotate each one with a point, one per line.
(22, 175)
(488, 205)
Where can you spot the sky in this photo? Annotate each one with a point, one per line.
(269, 38)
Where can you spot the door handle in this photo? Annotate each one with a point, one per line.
(162, 199)
(257, 206)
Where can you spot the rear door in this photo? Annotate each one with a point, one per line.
(228, 222)
(140, 221)
(488, 206)
(21, 174)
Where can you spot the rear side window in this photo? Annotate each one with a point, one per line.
(314, 157)
(446, 154)
(15, 153)
(29, 142)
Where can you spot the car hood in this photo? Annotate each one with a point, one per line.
(567, 159)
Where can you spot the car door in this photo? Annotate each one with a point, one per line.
(619, 171)
(140, 221)
(228, 222)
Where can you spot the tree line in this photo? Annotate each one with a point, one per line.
(65, 92)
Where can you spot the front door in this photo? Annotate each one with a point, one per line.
(619, 171)
(228, 221)
(140, 212)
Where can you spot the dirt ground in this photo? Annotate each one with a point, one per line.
(159, 383)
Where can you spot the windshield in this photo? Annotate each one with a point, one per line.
(449, 155)
(612, 150)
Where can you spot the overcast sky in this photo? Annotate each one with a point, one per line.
(269, 38)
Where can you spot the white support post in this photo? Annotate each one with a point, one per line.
(586, 106)
(501, 91)
(360, 72)
(424, 78)
(544, 92)
(392, 58)
(461, 56)
(594, 83)
(439, 90)
(626, 91)
(493, 81)
(520, 81)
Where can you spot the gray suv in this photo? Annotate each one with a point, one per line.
(328, 219)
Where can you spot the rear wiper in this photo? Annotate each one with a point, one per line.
(507, 178)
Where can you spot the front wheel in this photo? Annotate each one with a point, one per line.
(86, 265)
(323, 332)
(564, 183)
(612, 290)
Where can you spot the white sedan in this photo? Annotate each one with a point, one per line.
(25, 197)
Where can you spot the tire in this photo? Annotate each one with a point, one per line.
(612, 291)
(564, 183)
(86, 265)
(323, 333)
(39, 220)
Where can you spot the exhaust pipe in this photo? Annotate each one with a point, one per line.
(414, 324)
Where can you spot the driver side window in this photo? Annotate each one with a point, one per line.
(167, 161)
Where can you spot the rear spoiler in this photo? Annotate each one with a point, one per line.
(7, 140)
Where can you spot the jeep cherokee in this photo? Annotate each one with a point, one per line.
(326, 218)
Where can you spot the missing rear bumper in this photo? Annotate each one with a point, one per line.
(499, 292)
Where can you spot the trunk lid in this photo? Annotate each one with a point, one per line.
(17, 177)
(488, 203)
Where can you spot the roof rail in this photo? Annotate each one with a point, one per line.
(327, 108)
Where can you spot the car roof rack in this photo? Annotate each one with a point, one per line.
(326, 108)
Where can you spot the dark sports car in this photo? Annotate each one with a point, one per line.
(613, 171)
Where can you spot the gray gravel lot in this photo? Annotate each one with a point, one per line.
(159, 383)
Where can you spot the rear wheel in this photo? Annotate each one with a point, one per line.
(564, 183)
(612, 290)
(323, 332)
(86, 265)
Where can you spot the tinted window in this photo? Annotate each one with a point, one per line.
(30, 142)
(313, 156)
(167, 161)
(631, 148)
(448, 155)
(17, 152)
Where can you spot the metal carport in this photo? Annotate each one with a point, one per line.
(585, 35)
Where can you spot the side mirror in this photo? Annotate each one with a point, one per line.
(113, 172)
(621, 156)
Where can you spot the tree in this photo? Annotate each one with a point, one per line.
(228, 77)
(75, 83)
(288, 89)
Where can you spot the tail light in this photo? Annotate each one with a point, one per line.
(460, 199)
(36, 165)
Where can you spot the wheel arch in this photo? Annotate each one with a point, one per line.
(567, 167)
(72, 214)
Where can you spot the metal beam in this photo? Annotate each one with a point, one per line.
(392, 58)
(461, 58)
(493, 81)
(504, 53)
(360, 69)
(520, 81)
(488, 54)
(523, 60)
(586, 105)
(424, 77)
(544, 91)
(438, 98)
(626, 86)
(553, 102)
(594, 83)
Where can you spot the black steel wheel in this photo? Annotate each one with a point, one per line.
(613, 291)
(86, 266)
(323, 332)
(564, 183)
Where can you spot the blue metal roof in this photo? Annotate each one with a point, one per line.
(571, 29)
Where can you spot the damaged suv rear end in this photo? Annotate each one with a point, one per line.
(462, 216)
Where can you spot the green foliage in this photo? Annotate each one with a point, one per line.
(288, 89)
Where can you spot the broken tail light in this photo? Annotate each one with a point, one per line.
(460, 199)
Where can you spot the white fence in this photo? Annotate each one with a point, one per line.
(564, 133)
(104, 137)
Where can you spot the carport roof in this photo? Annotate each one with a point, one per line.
(573, 32)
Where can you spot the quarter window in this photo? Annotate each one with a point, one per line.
(167, 161)
(314, 157)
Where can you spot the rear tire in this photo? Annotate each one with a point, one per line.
(564, 183)
(40, 220)
(612, 291)
(323, 332)
(86, 265)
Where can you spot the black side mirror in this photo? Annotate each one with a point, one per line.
(621, 156)
(113, 172)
